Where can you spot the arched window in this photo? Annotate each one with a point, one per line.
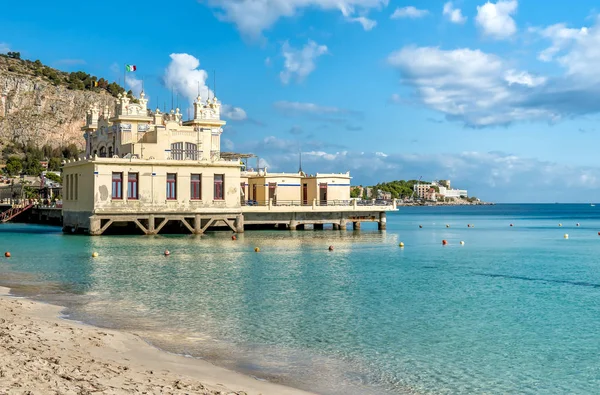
(102, 152)
(110, 152)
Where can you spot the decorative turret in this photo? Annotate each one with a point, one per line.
(93, 114)
(125, 107)
(178, 116)
(210, 110)
(158, 117)
(143, 102)
(106, 112)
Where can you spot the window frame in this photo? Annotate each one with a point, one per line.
(196, 183)
(133, 186)
(220, 183)
(118, 187)
(172, 183)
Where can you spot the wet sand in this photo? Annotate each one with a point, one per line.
(43, 354)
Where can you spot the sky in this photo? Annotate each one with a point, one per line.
(500, 97)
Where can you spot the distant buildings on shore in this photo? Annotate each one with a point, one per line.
(439, 190)
(432, 192)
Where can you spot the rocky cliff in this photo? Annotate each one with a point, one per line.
(35, 109)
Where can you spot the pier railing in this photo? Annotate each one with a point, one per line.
(351, 202)
(318, 204)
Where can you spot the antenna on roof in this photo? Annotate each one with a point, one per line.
(198, 87)
(171, 98)
(300, 168)
(214, 84)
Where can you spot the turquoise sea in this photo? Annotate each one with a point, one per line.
(513, 310)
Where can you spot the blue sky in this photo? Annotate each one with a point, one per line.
(502, 97)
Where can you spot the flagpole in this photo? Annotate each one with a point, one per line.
(124, 74)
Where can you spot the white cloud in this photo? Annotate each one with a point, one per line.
(481, 89)
(454, 14)
(523, 78)
(576, 50)
(252, 17)
(4, 48)
(366, 23)
(311, 108)
(134, 84)
(408, 12)
(561, 37)
(300, 62)
(185, 77)
(495, 19)
(233, 113)
(227, 144)
(470, 85)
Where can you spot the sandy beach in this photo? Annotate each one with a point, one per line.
(43, 354)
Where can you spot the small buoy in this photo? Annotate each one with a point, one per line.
(167, 253)
(401, 245)
(444, 242)
(233, 237)
(7, 254)
(421, 226)
(256, 249)
(559, 225)
(577, 224)
(566, 236)
(598, 233)
(94, 254)
(330, 248)
(511, 224)
(468, 225)
(462, 243)
(447, 226)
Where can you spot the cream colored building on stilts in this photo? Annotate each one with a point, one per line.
(154, 172)
(151, 168)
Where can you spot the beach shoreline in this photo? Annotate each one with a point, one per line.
(44, 353)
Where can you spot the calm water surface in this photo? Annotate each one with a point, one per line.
(514, 310)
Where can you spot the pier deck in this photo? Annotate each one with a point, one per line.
(280, 214)
(283, 215)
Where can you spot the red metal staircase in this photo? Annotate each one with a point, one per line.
(13, 212)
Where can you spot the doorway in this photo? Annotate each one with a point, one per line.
(305, 194)
(273, 192)
(323, 193)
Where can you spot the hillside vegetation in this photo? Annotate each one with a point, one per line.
(76, 80)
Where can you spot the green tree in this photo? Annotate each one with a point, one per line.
(355, 192)
(54, 164)
(14, 55)
(13, 166)
(71, 151)
(54, 177)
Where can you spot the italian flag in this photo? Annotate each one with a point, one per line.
(130, 67)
